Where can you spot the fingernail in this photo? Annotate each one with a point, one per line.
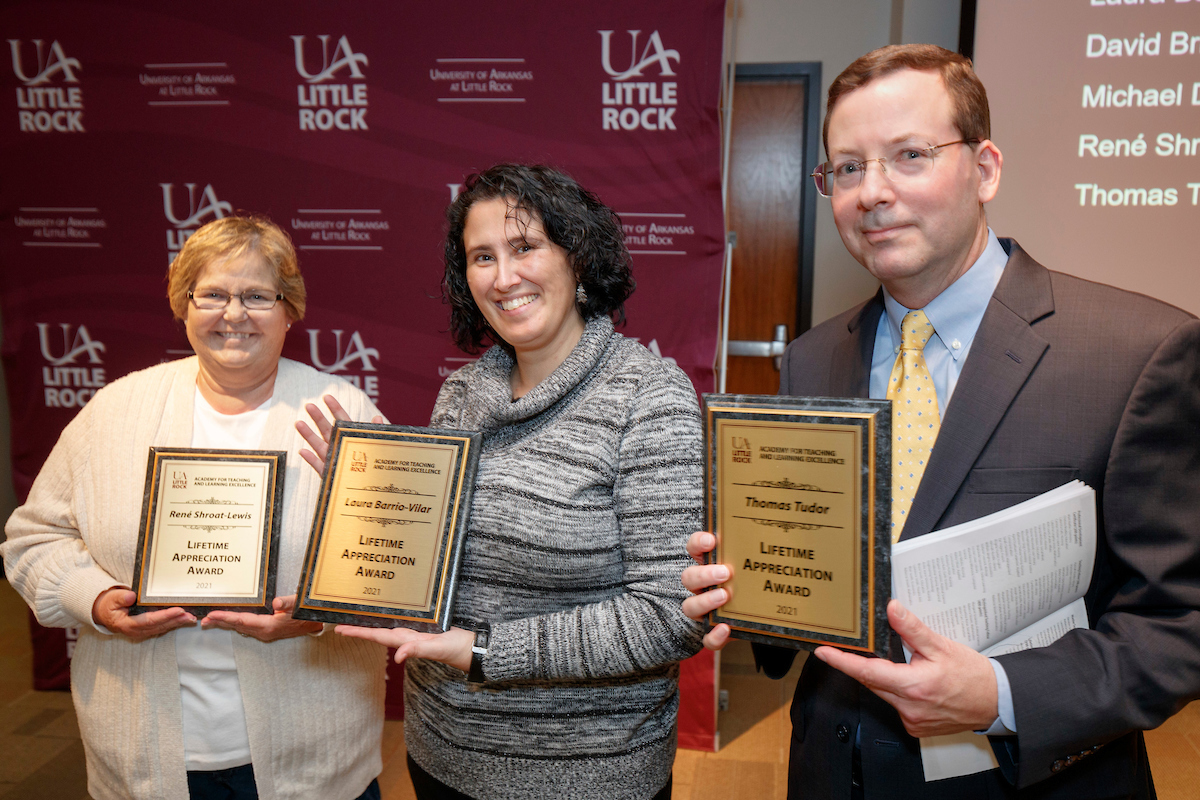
(901, 612)
(721, 573)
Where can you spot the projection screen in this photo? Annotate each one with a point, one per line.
(1095, 107)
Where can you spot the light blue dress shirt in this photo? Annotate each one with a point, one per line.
(955, 315)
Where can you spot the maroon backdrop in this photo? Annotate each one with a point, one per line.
(131, 125)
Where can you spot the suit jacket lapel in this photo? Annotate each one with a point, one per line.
(850, 367)
(1003, 355)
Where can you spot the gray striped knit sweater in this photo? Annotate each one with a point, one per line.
(587, 490)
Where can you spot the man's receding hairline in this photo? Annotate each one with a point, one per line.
(935, 72)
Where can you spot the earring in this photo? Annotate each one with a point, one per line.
(580, 294)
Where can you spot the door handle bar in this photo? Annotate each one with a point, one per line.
(772, 349)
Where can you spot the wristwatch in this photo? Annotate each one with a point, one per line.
(478, 651)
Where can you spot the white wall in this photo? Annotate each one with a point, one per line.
(931, 21)
(835, 32)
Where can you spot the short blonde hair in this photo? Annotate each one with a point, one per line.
(232, 237)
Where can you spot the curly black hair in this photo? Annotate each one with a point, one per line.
(572, 217)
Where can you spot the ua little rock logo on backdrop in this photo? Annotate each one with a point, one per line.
(639, 104)
(326, 106)
(42, 108)
(65, 385)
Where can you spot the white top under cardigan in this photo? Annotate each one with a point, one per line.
(214, 719)
(314, 704)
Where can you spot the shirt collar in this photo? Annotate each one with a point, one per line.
(956, 313)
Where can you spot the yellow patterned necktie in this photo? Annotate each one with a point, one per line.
(915, 418)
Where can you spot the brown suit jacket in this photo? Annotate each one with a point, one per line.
(1065, 379)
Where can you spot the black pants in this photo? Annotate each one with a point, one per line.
(428, 787)
(237, 783)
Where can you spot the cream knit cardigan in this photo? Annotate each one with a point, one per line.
(314, 704)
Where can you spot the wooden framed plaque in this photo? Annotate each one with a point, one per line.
(387, 537)
(209, 533)
(799, 498)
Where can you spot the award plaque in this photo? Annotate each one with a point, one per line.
(799, 498)
(387, 537)
(209, 534)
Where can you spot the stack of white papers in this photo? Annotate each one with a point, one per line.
(1002, 583)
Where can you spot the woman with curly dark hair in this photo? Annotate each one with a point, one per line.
(559, 678)
(571, 217)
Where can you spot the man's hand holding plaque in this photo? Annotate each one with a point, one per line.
(704, 582)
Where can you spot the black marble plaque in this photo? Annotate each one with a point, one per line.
(799, 498)
(388, 535)
(209, 533)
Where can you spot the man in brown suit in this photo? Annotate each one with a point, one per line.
(1041, 377)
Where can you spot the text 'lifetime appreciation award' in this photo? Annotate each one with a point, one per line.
(387, 537)
(209, 534)
(798, 496)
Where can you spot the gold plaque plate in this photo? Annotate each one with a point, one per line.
(388, 533)
(209, 533)
(799, 495)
